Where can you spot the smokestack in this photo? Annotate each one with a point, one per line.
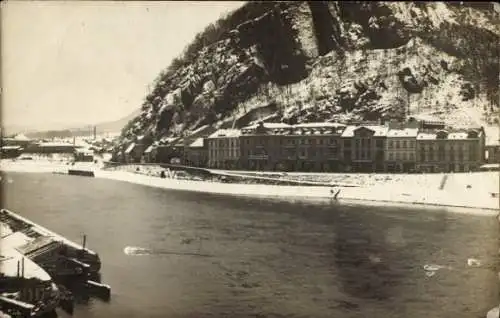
(18, 268)
(22, 267)
(95, 132)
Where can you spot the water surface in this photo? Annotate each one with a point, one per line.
(178, 254)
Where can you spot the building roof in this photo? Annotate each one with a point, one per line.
(21, 137)
(199, 129)
(198, 143)
(319, 125)
(11, 147)
(84, 150)
(130, 148)
(149, 149)
(56, 144)
(268, 126)
(406, 132)
(379, 131)
(226, 133)
(457, 135)
(426, 136)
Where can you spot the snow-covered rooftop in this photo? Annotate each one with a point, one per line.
(55, 144)
(426, 136)
(11, 147)
(199, 129)
(319, 125)
(269, 126)
(378, 131)
(21, 137)
(226, 133)
(130, 148)
(198, 143)
(457, 135)
(406, 132)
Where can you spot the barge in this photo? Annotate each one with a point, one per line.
(53, 252)
(63, 260)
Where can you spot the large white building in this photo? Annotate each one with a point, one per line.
(401, 149)
(224, 149)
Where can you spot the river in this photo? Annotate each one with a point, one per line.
(180, 254)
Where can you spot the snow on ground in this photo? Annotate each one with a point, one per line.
(472, 190)
(475, 198)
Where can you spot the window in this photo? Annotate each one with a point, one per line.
(391, 156)
(321, 141)
(412, 156)
(391, 144)
(397, 144)
(379, 143)
(347, 143)
(397, 155)
(404, 143)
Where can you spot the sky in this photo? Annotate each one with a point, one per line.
(75, 62)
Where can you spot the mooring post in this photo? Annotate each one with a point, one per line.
(84, 241)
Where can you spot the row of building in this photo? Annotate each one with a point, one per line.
(412, 146)
(13, 147)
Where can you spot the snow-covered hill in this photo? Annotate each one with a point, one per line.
(331, 61)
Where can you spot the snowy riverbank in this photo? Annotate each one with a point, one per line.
(466, 190)
(466, 198)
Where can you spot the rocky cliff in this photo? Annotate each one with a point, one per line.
(331, 61)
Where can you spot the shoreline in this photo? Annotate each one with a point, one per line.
(390, 194)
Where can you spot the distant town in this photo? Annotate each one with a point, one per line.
(413, 146)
